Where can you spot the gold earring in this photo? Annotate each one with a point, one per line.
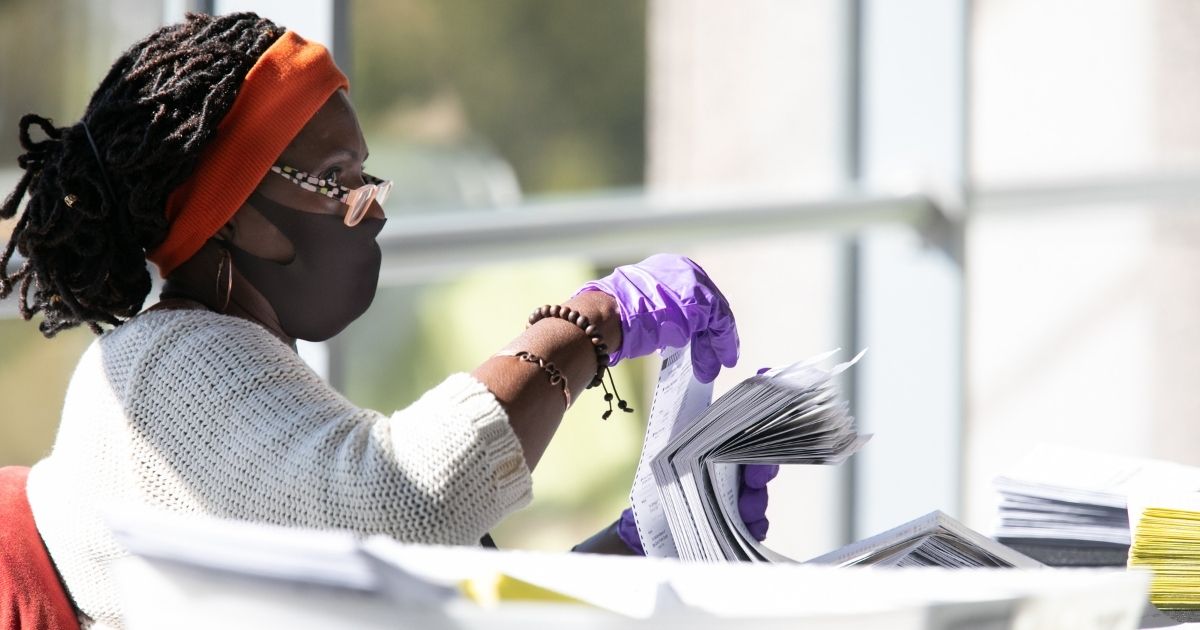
(226, 264)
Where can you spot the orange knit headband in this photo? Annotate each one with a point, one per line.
(286, 86)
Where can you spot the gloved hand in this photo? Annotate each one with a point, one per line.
(752, 506)
(752, 496)
(667, 301)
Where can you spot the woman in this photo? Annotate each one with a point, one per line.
(225, 150)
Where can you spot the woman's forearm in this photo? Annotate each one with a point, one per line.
(534, 404)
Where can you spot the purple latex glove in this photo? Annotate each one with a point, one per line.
(752, 506)
(667, 301)
(752, 496)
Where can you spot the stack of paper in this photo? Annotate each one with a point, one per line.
(686, 490)
(253, 582)
(1166, 540)
(934, 540)
(1074, 498)
(267, 551)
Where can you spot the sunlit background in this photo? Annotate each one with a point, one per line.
(997, 197)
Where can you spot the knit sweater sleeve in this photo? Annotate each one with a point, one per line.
(232, 420)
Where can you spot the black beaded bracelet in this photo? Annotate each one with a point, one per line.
(573, 316)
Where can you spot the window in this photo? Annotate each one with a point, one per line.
(52, 55)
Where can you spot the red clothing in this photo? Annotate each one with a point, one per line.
(31, 595)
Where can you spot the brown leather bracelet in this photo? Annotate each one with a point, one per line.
(556, 376)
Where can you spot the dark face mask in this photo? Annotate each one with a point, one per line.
(332, 278)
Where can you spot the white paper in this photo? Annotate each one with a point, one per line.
(789, 415)
(643, 593)
(700, 596)
(1067, 494)
(678, 400)
(934, 539)
(302, 555)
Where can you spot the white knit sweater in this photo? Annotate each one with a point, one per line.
(200, 413)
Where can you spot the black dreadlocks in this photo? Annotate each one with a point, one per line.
(92, 215)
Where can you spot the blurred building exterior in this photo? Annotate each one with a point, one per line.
(1083, 302)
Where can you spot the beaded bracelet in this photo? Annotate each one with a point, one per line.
(593, 332)
(556, 376)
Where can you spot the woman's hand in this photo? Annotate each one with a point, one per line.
(752, 498)
(752, 506)
(667, 301)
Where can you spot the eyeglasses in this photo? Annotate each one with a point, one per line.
(359, 199)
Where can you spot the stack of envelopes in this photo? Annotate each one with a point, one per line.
(1167, 541)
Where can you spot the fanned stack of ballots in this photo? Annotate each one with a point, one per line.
(686, 490)
(933, 540)
(1166, 540)
(1068, 506)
